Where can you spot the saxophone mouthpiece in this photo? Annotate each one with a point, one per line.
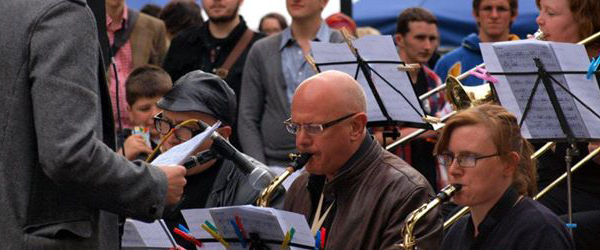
(300, 160)
(448, 192)
(539, 35)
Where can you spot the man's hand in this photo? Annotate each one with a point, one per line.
(134, 146)
(176, 182)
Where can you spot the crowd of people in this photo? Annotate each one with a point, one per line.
(94, 91)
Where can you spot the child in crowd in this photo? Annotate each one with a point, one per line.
(144, 87)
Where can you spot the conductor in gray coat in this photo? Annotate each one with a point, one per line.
(61, 186)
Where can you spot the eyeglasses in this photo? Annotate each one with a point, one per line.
(312, 128)
(182, 133)
(464, 160)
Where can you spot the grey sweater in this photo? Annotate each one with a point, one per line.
(264, 104)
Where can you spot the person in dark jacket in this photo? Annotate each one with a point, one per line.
(218, 182)
(484, 152)
(356, 191)
(219, 46)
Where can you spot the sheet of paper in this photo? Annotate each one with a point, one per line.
(574, 58)
(254, 220)
(514, 91)
(142, 235)
(288, 220)
(268, 223)
(375, 48)
(194, 219)
(180, 153)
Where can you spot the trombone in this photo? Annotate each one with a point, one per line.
(476, 94)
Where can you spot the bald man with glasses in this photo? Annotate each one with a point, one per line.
(356, 191)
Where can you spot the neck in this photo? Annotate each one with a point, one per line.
(115, 12)
(478, 212)
(491, 39)
(305, 29)
(414, 73)
(223, 29)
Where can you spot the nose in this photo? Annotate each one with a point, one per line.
(153, 112)
(494, 13)
(454, 169)
(303, 140)
(540, 20)
(429, 44)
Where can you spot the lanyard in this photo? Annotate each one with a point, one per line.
(318, 220)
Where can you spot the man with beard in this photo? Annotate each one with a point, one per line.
(220, 46)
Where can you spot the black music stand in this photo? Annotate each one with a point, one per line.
(393, 95)
(549, 82)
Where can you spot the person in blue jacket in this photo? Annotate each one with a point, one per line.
(493, 18)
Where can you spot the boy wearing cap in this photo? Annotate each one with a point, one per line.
(218, 182)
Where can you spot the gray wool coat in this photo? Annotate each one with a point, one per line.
(61, 186)
(264, 104)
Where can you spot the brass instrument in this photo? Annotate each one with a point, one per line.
(462, 97)
(539, 195)
(409, 240)
(540, 36)
(299, 160)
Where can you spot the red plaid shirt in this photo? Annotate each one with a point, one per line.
(123, 62)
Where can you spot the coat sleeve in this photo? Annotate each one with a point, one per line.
(251, 108)
(63, 63)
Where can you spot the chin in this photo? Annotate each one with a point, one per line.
(311, 168)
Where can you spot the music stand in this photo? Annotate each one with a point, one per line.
(263, 228)
(549, 100)
(373, 62)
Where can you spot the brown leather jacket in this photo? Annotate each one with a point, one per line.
(374, 193)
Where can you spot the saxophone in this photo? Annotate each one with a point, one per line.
(299, 160)
(409, 240)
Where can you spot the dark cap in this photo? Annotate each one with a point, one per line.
(201, 92)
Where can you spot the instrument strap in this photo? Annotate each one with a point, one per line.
(318, 220)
